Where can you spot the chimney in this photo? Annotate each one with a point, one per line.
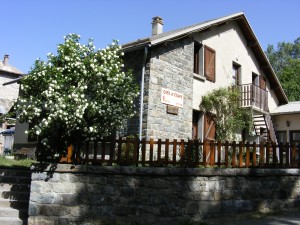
(5, 60)
(157, 25)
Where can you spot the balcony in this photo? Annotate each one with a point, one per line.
(254, 96)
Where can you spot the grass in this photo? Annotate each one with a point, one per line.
(12, 163)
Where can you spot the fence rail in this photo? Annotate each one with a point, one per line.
(191, 153)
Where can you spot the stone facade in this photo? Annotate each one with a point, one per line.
(170, 66)
(67, 194)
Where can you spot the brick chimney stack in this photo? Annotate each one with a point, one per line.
(157, 25)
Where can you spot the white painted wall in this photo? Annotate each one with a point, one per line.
(230, 46)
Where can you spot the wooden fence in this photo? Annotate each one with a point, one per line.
(192, 153)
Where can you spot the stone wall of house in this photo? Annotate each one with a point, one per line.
(82, 194)
(170, 66)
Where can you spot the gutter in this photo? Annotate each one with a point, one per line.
(142, 90)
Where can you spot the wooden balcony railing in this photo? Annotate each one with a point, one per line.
(253, 96)
(192, 153)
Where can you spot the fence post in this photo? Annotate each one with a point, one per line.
(261, 154)
(151, 152)
(226, 153)
(275, 157)
(287, 155)
(212, 153)
(247, 154)
(204, 152)
(87, 145)
(281, 155)
(95, 151)
(159, 150)
(143, 151)
(254, 155)
(219, 153)
(293, 161)
(103, 151)
(136, 151)
(233, 163)
(119, 150)
(174, 151)
(112, 150)
(196, 152)
(167, 152)
(241, 146)
(268, 153)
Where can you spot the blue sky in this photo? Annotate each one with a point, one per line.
(30, 29)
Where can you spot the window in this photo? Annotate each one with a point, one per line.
(236, 74)
(281, 136)
(295, 136)
(197, 58)
(204, 61)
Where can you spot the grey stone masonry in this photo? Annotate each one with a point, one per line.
(82, 194)
(170, 67)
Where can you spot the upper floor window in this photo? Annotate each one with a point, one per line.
(205, 61)
(197, 58)
(236, 74)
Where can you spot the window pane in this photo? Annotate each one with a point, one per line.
(296, 136)
(281, 136)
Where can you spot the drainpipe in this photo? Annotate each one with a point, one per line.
(142, 90)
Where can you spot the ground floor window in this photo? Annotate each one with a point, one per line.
(295, 137)
(281, 136)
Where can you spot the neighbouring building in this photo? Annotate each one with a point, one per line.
(287, 123)
(176, 68)
(8, 94)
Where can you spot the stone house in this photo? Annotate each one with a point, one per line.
(176, 68)
(8, 93)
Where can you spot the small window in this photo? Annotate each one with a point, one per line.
(210, 64)
(197, 58)
(236, 74)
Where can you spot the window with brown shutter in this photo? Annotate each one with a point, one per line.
(210, 64)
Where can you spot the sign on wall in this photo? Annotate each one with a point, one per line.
(171, 97)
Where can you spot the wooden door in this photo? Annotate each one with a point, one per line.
(209, 138)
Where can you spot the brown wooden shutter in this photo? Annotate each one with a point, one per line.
(210, 64)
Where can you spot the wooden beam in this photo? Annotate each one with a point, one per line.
(252, 43)
(264, 67)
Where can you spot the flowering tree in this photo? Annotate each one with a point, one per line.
(79, 94)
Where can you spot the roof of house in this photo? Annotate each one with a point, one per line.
(245, 27)
(7, 68)
(290, 108)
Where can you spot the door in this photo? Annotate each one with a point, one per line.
(209, 137)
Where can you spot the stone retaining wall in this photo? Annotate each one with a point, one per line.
(66, 194)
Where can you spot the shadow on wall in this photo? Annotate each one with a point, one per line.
(15, 192)
(128, 195)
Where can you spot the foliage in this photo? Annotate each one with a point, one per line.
(223, 107)
(79, 94)
(285, 60)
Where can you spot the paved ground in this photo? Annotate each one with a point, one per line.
(281, 218)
